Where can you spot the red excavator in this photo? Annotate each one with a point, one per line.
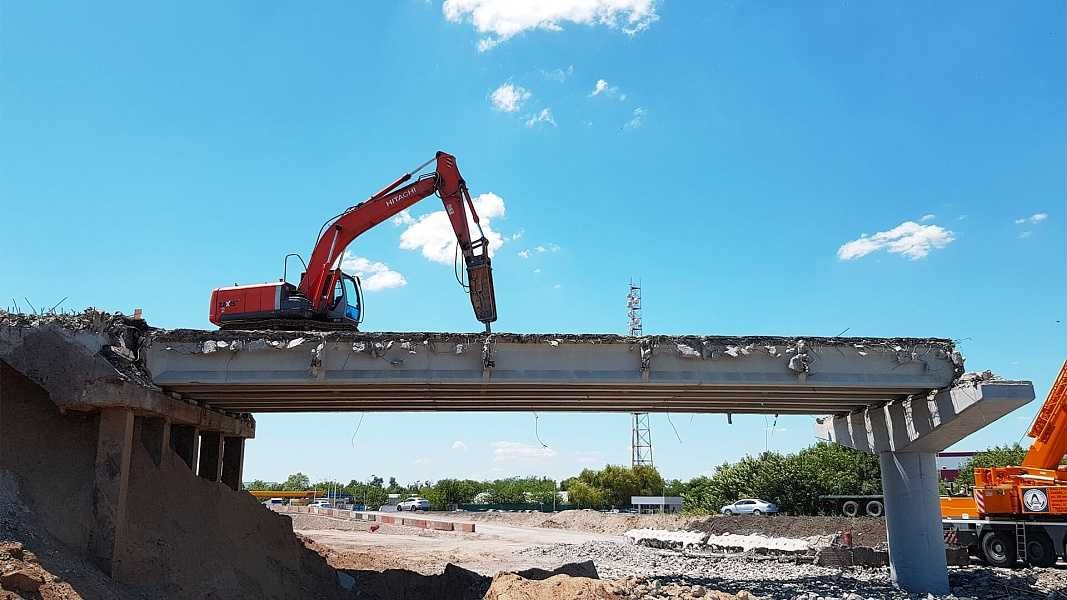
(327, 298)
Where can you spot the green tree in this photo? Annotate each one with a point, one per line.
(296, 482)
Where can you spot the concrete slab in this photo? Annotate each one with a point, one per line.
(290, 371)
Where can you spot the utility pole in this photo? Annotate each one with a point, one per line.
(641, 435)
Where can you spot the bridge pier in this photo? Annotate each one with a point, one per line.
(114, 449)
(913, 521)
(906, 435)
(211, 454)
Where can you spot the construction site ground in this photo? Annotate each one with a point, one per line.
(513, 542)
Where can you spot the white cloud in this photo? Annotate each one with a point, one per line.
(909, 238)
(509, 98)
(557, 286)
(375, 276)
(421, 460)
(603, 88)
(524, 254)
(637, 120)
(559, 74)
(518, 451)
(927, 217)
(538, 270)
(545, 116)
(501, 20)
(1033, 219)
(1025, 234)
(433, 234)
(459, 445)
(403, 218)
(517, 235)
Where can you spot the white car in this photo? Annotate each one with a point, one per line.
(750, 506)
(320, 504)
(413, 503)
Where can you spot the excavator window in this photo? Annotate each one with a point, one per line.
(354, 296)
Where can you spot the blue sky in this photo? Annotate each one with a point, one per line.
(762, 168)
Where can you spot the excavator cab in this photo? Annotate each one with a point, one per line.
(346, 306)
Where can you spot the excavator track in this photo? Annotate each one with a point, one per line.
(287, 325)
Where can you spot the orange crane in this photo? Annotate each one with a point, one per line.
(1020, 512)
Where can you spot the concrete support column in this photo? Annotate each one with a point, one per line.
(210, 455)
(185, 440)
(913, 521)
(114, 447)
(233, 460)
(155, 437)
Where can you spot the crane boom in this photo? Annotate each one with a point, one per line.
(1050, 427)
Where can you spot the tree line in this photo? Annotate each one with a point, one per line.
(794, 481)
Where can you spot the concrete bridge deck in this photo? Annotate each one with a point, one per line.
(272, 372)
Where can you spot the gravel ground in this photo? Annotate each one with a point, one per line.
(783, 579)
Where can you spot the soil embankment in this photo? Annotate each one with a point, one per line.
(185, 537)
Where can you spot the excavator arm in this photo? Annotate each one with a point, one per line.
(323, 270)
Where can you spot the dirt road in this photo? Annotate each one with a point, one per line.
(495, 547)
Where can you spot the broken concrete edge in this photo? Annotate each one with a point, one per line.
(94, 361)
(689, 346)
(358, 515)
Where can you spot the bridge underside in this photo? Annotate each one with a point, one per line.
(544, 397)
(300, 372)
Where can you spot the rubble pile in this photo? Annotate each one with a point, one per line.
(21, 575)
(789, 578)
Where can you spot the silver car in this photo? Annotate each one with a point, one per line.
(750, 506)
(413, 503)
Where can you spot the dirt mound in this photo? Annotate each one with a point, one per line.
(509, 586)
(867, 531)
(512, 586)
(24, 575)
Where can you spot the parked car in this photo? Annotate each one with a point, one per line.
(413, 503)
(320, 504)
(750, 506)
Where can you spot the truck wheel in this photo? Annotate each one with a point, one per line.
(998, 549)
(874, 508)
(850, 508)
(1039, 549)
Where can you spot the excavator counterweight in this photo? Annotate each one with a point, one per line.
(328, 298)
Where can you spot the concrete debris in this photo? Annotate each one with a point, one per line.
(727, 543)
(687, 351)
